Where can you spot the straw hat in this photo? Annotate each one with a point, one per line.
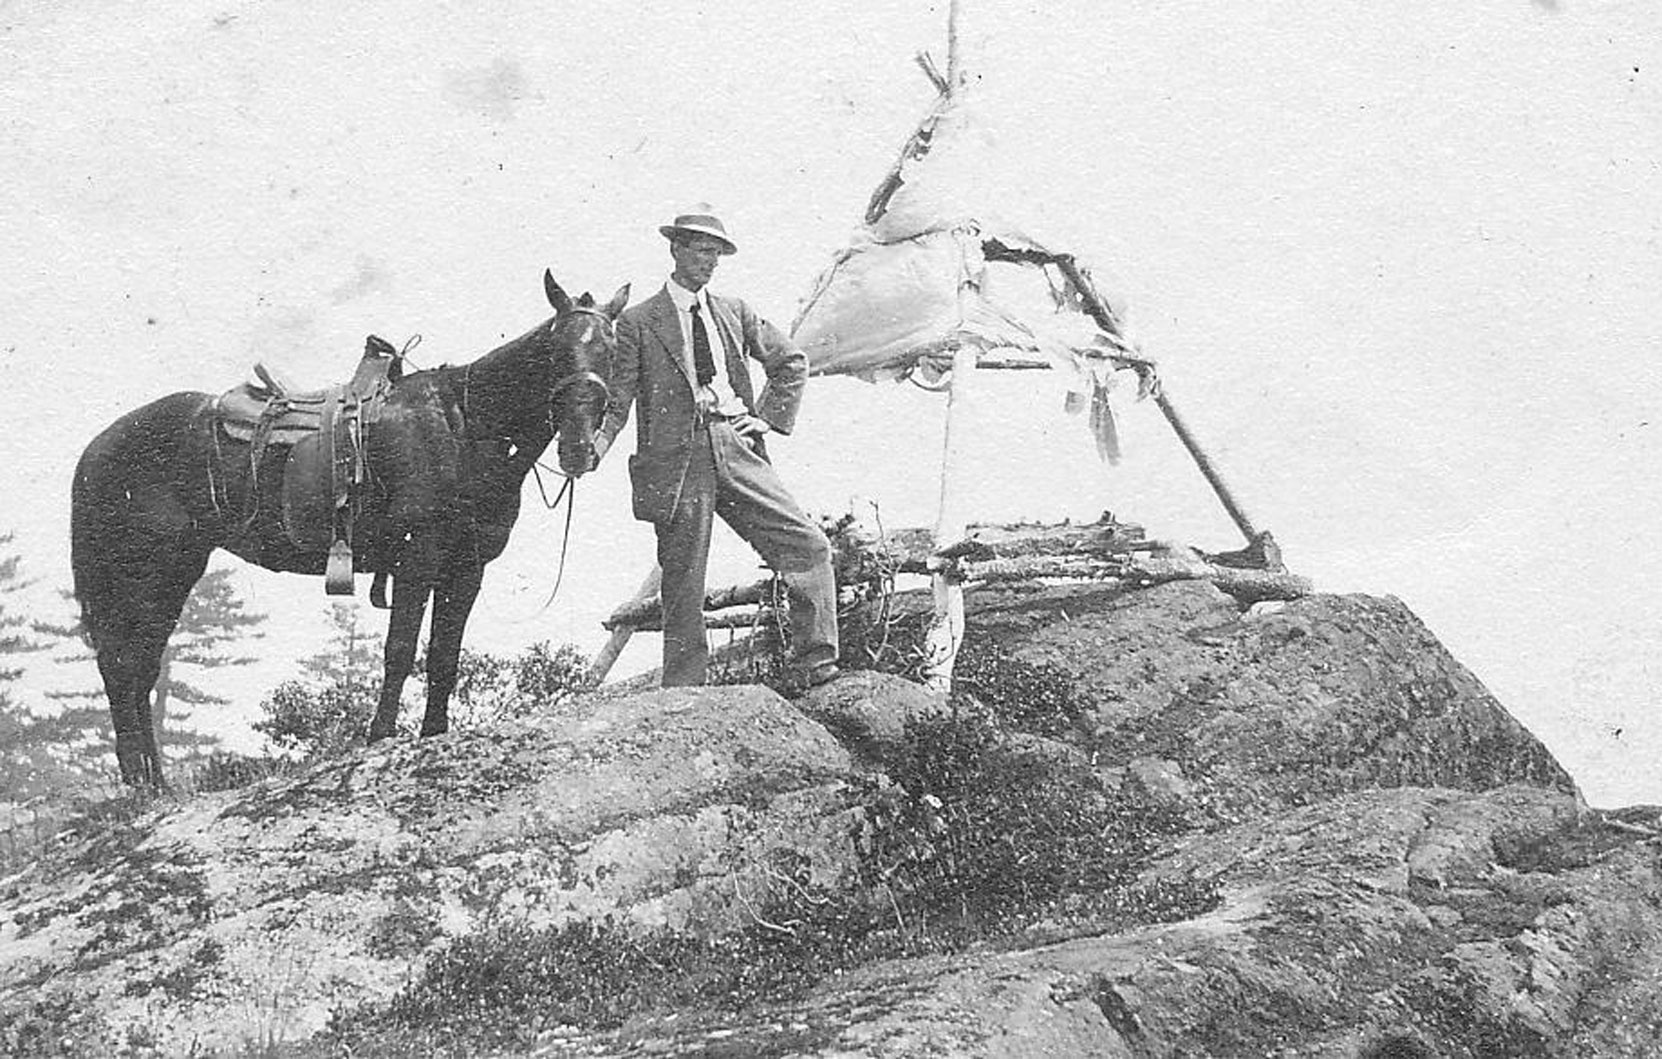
(698, 221)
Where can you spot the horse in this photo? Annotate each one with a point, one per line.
(443, 463)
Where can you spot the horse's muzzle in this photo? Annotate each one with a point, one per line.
(578, 459)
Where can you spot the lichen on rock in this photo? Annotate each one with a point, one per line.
(1149, 822)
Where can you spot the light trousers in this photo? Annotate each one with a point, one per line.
(726, 477)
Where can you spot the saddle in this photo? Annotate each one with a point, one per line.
(323, 432)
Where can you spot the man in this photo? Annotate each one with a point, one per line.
(683, 357)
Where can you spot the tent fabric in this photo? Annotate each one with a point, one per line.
(938, 267)
(881, 308)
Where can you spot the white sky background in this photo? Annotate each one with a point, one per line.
(1401, 271)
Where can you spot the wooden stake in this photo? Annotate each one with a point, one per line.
(621, 632)
(946, 632)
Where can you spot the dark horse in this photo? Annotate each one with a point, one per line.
(163, 486)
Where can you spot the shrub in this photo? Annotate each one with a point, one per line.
(317, 720)
(978, 838)
(225, 770)
(491, 689)
(326, 714)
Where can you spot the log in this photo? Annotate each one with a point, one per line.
(1030, 567)
(736, 618)
(914, 549)
(648, 612)
(1248, 586)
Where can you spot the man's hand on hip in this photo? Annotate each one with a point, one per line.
(749, 426)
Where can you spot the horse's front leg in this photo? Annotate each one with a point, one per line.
(412, 583)
(452, 602)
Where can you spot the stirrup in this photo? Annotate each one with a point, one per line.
(337, 573)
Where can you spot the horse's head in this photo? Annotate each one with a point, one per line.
(583, 339)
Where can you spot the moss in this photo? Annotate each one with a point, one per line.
(58, 1024)
(404, 932)
(974, 842)
(181, 982)
(1018, 694)
(150, 900)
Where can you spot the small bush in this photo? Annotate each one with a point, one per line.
(978, 840)
(225, 770)
(1017, 694)
(317, 720)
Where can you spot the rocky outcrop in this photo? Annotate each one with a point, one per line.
(1271, 706)
(251, 915)
(1395, 866)
(1409, 922)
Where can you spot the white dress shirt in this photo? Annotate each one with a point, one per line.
(719, 396)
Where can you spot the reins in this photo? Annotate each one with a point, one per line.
(568, 491)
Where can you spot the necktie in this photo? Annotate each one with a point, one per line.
(704, 366)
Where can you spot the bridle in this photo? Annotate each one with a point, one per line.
(568, 489)
(590, 379)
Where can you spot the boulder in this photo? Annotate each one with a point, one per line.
(251, 915)
(869, 712)
(1271, 707)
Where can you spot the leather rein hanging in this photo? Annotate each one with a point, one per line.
(568, 490)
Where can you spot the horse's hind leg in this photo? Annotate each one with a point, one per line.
(452, 602)
(130, 661)
(129, 670)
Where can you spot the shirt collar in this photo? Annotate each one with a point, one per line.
(684, 298)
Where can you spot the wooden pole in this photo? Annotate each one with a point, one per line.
(946, 631)
(619, 639)
(1204, 462)
(1104, 318)
(954, 60)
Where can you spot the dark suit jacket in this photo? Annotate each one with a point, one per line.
(652, 368)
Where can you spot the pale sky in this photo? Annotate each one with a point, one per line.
(1400, 271)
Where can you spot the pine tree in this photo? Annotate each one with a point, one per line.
(28, 764)
(15, 638)
(214, 619)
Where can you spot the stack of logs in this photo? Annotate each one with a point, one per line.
(1104, 551)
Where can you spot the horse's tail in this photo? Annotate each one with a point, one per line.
(138, 451)
(95, 518)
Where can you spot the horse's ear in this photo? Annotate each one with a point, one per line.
(619, 300)
(556, 296)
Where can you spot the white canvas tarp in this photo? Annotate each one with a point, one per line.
(938, 266)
